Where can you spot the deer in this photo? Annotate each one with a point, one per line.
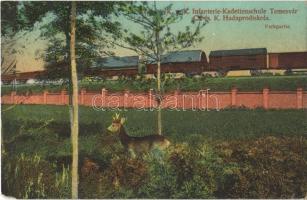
(136, 145)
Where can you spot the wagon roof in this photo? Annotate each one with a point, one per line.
(239, 52)
(117, 62)
(180, 57)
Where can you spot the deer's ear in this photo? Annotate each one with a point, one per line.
(122, 120)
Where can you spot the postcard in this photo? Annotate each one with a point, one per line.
(153, 99)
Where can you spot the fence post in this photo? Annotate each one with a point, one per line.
(82, 92)
(126, 95)
(299, 98)
(104, 93)
(234, 96)
(63, 97)
(150, 98)
(45, 93)
(176, 92)
(13, 94)
(265, 94)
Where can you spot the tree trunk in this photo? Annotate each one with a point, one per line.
(159, 118)
(67, 38)
(158, 45)
(75, 117)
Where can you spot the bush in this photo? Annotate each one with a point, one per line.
(121, 179)
(221, 83)
(257, 72)
(182, 173)
(179, 173)
(222, 72)
(288, 72)
(30, 177)
(269, 167)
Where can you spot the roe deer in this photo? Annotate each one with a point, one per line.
(136, 145)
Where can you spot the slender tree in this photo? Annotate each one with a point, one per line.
(157, 36)
(75, 107)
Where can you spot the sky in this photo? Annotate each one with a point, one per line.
(218, 35)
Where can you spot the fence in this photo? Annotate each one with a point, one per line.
(203, 99)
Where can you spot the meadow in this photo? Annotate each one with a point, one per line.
(233, 153)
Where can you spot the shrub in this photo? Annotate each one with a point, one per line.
(220, 83)
(222, 72)
(182, 173)
(288, 72)
(257, 72)
(121, 179)
(269, 167)
(31, 177)
(128, 173)
(195, 171)
(161, 181)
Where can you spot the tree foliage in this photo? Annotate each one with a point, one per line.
(152, 20)
(10, 25)
(94, 27)
(9, 18)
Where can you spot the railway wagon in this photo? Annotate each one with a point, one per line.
(288, 60)
(115, 66)
(188, 62)
(21, 77)
(238, 59)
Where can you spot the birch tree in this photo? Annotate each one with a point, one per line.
(75, 107)
(156, 36)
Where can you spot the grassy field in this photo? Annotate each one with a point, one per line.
(226, 124)
(185, 84)
(44, 131)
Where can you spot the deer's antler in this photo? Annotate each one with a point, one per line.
(116, 117)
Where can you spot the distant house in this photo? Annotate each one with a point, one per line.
(115, 66)
(255, 58)
(189, 62)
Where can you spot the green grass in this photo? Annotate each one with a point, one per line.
(180, 126)
(186, 84)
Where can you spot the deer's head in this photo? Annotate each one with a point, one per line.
(117, 123)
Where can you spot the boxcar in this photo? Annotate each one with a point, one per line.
(238, 59)
(21, 76)
(188, 62)
(288, 60)
(115, 66)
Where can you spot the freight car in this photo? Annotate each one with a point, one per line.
(115, 66)
(103, 67)
(20, 77)
(238, 59)
(188, 62)
(288, 60)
